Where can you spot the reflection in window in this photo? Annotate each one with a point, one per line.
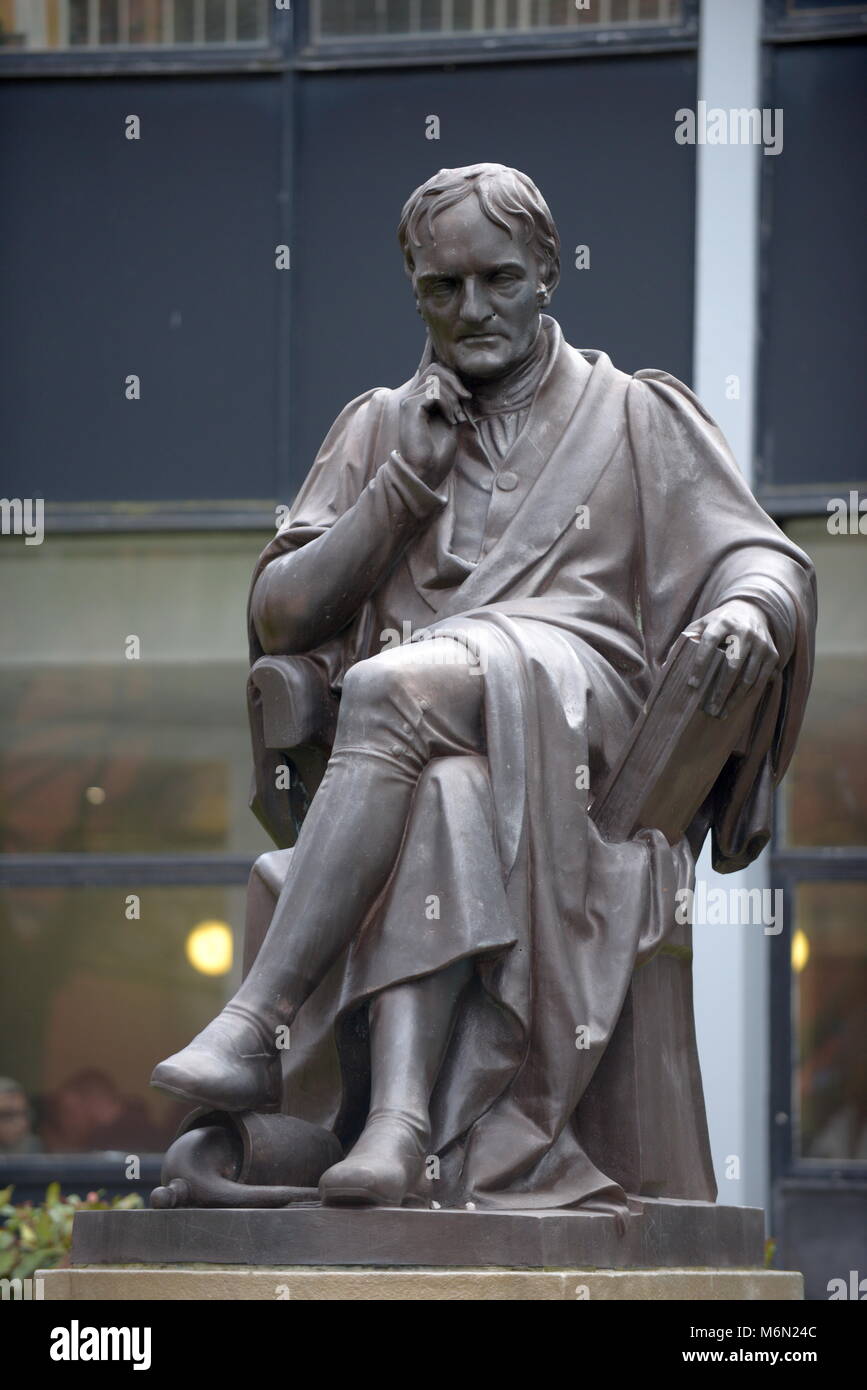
(111, 747)
(825, 791)
(93, 995)
(77, 24)
(829, 975)
(387, 19)
(123, 729)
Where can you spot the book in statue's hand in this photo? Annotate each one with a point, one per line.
(675, 751)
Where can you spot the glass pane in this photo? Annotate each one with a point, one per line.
(825, 790)
(384, 19)
(92, 999)
(829, 982)
(123, 725)
(824, 6)
(60, 24)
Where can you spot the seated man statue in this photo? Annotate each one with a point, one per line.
(488, 567)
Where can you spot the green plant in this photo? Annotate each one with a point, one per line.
(39, 1236)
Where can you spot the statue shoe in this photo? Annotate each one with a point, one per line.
(230, 1065)
(383, 1166)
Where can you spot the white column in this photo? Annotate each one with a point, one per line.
(731, 962)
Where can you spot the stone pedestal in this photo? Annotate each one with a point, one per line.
(659, 1234)
(665, 1250)
(230, 1284)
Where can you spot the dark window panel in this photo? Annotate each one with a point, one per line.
(152, 257)
(813, 412)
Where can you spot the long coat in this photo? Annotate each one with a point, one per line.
(623, 519)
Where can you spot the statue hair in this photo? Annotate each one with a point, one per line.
(505, 196)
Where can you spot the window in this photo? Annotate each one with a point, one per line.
(829, 990)
(92, 998)
(122, 695)
(125, 835)
(819, 1019)
(814, 18)
(87, 24)
(372, 19)
(825, 790)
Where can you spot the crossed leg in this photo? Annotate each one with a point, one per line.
(398, 710)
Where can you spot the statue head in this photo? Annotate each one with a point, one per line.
(483, 255)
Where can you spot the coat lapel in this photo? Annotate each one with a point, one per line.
(570, 437)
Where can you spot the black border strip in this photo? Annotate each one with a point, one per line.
(121, 870)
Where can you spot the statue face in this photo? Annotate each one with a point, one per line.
(477, 291)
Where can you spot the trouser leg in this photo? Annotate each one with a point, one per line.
(398, 710)
(410, 1028)
(345, 852)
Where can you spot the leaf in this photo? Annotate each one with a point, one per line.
(29, 1263)
(43, 1225)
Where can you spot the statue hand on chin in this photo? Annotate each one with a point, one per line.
(428, 416)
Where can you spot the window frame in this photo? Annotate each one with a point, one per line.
(780, 25)
(168, 516)
(83, 870)
(427, 50)
(291, 46)
(789, 867)
(143, 60)
(30, 1174)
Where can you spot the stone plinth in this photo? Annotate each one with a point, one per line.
(660, 1234)
(230, 1284)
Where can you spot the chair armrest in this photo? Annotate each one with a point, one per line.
(292, 720)
(297, 705)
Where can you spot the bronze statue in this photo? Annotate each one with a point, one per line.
(460, 622)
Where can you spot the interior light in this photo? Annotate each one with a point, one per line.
(209, 948)
(800, 950)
